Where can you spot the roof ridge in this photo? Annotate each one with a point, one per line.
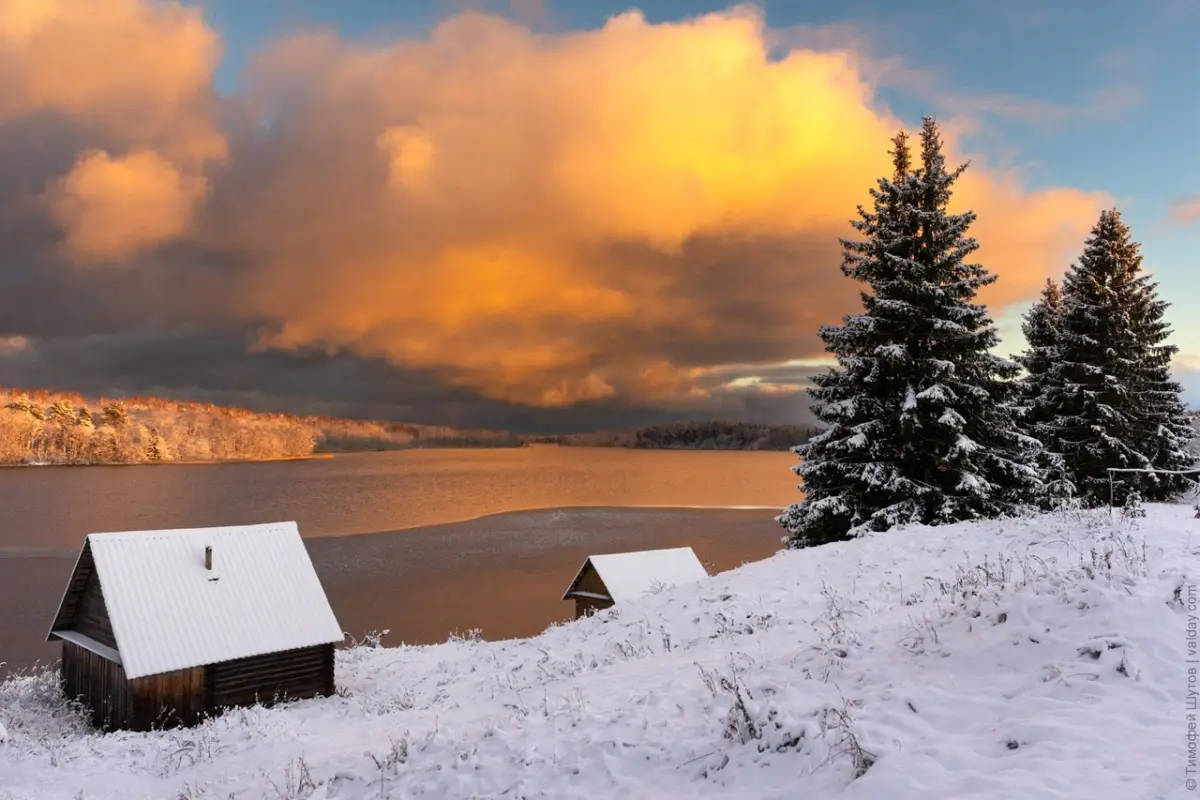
(165, 533)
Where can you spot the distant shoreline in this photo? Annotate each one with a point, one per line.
(328, 454)
(169, 462)
(695, 435)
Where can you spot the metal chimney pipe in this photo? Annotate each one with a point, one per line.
(208, 557)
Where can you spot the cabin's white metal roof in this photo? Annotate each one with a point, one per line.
(630, 575)
(168, 614)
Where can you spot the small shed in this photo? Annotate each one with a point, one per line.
(620, 577)
(164, 628)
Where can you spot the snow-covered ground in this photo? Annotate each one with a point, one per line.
(1030, 658)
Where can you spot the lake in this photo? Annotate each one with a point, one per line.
(421, 542)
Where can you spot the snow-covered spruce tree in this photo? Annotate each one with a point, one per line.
(1108, 400)
(1162, 428)
(1040, 326)
(917, 415)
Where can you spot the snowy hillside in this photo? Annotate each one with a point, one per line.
(1020, 659)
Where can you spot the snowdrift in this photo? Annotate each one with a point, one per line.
(1029, 658)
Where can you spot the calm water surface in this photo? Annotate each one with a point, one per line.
(51, 509)
(420, 542)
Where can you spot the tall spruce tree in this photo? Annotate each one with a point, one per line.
(917, 415)
(1108, 400)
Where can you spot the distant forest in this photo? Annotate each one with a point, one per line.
(695, 436)
(48, 427)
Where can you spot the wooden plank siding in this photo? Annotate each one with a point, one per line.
(168, 700)
(91, 614)
(97, 683)
(186, 697)
(85, 568)
(289, 675)
(590, 582)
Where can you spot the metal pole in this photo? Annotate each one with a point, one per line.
(1111, 497)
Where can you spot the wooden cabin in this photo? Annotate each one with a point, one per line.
(164, 628)
(605, 580)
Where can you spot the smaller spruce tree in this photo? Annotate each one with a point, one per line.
(1087, 405)
(1041, 328)
(1162, 429)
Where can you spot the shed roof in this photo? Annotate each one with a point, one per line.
(168, 613)
(627, 576)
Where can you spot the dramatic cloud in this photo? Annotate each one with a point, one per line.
(132, 81)
(639, 215)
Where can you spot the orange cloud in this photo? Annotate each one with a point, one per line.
(111, 208)
(134, 79)
(1024, 236)
(137, 71)
(605, 215)
(514, 164)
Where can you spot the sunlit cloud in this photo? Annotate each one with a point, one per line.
(641, 213)
(125, 71)
(13, 345)
(1184, 210)
(111, 208)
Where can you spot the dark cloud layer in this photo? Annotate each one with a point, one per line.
(485, 227)
(206, 366)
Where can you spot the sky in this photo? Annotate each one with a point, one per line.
(546, 216)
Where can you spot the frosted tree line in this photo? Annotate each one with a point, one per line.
(43, 427)
(924, 424)
(66, 430)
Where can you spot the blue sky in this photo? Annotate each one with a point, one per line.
(1091, 94)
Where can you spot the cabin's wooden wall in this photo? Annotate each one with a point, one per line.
(99, 684)
(91, 615)
(590, 605)
(289, 675)
(83, 571)
(185, 697)
(590, 582)
(168, 700)
(83, 607)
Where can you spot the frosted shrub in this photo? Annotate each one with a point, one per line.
(35, 712)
